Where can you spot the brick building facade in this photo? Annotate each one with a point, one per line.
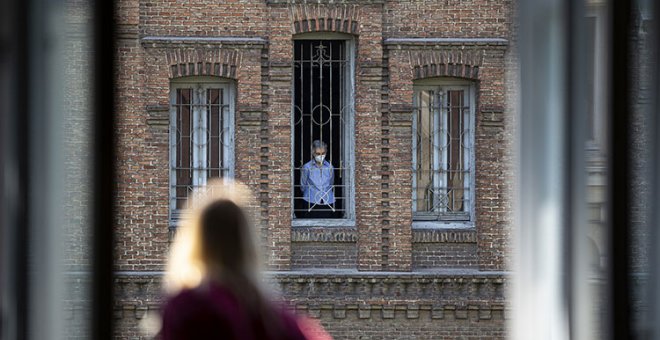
(387, 267)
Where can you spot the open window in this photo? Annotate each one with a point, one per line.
(323, 113)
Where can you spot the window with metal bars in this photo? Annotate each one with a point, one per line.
(443, 153)
(201, 137)
(323, 111)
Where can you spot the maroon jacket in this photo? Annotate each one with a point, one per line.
(216, 313)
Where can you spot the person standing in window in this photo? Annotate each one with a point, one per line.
(316, 182)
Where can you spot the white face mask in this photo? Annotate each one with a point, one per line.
(319, 159)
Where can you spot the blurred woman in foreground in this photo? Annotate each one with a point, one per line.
(213, 277)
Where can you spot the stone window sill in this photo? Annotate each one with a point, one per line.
(322, 222)
(464, 225)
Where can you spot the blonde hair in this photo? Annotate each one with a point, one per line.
(216, 243)
(192, 259)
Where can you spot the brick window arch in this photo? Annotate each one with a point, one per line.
(308, 18)
(450, 63)
(203, 63)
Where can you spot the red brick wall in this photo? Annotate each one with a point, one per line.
(261, 70)
(279, 137)
(439, 255)
(449, 18)
(203, 18)
(314, 255)
(493, 144)
(262, 74)
(357, 305)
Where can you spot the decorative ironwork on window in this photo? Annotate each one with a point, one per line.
(202, 141)
(322, 107)
(442, 153)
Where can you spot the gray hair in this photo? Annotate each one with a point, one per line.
(317, 144)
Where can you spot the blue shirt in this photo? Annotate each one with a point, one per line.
(316, 182)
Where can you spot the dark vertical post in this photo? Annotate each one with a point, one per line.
(104, 174)
(14, 162)
(651, 327)
(619, 174)
(576, 270)
(20, 148)
(568, 152)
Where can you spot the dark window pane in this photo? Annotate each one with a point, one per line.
(183, 146)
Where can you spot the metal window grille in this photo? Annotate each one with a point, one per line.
(442, 153)
(322, 106)
(201, 140)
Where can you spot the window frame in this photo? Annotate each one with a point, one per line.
(199, 84)
(349, 138)
(429, 219)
